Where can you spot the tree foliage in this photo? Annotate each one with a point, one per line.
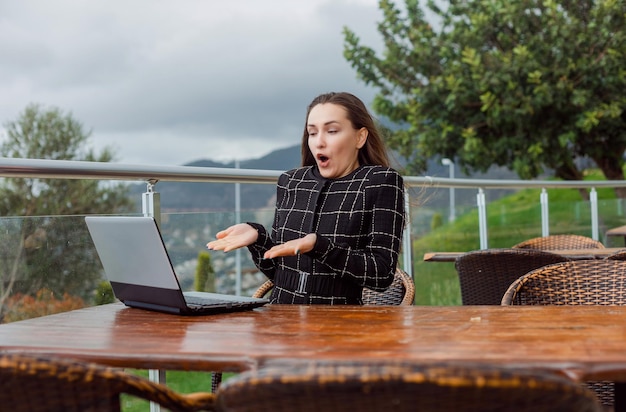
(527, 84)
(45, 241)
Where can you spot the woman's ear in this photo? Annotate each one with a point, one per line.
(362, 137)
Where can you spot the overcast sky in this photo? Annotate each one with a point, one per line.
(169, 82)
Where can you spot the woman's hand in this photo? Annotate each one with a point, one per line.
(293, 247)
(234, 237)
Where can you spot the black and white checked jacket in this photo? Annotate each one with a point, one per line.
(358, 219)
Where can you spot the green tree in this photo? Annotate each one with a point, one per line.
(41, 249)
(204, 280)
(525, 84)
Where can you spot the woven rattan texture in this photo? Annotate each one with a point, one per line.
(580, 282)
(400, 292)
(264, 289)
(554, 242)
(37, 384)
(401, 387)
(619, 255)
(484, 275)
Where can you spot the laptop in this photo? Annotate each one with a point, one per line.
(136, 263)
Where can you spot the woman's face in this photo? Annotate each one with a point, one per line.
(333, 140)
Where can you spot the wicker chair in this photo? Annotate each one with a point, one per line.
(484, 275)
(400, 292)
(560, 242)
(39, 384)
(619, 255)
(364, 387)
(580, 282)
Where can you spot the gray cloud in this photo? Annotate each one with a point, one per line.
(166, 82)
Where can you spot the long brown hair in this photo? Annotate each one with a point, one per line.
(373, 152)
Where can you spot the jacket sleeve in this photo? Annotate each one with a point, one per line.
(265, 242)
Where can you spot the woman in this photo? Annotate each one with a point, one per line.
(339, 218)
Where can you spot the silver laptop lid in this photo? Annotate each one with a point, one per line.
(131, 251)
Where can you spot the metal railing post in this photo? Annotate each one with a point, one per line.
(158, 376)
(237, 220)
(482, 218)
(407, 264)
(151, 202)
(151, 206)
(545, 213)
(593, 198)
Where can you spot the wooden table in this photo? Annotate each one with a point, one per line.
(617, 231)
(582, 342)
(576, 254)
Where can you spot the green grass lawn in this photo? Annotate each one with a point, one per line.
(510, 220)
(180, 381)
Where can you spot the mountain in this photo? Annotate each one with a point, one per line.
(281, 159)
(193, 196)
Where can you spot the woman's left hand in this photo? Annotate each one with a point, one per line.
(293, 247)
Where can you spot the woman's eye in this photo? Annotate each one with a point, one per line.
(311, 134)
(332, 131)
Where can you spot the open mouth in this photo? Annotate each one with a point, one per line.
(322, 158)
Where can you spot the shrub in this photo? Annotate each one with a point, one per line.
(20, 306)
(104, 293)
(205, 275)
(437, 221)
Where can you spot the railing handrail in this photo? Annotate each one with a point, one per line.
(70, 169)
(509, 183)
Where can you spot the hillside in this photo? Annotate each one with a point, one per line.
(182, 196)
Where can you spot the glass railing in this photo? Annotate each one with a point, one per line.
(49, 263)
(51, 260)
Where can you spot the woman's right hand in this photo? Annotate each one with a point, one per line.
(235, 237)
